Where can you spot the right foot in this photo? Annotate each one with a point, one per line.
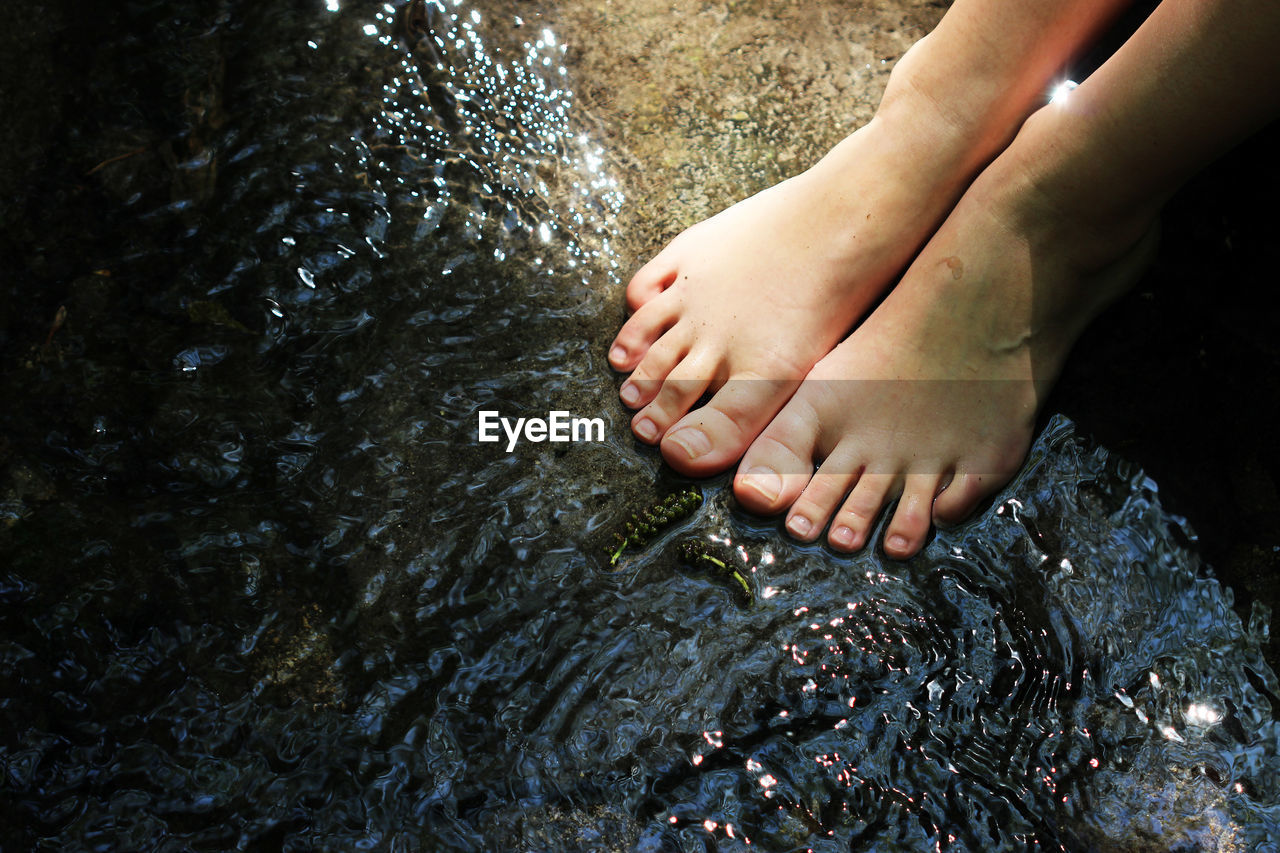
(934, 397)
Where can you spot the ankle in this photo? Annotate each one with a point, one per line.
(1044, 168)
(931, 129)
(960, 110)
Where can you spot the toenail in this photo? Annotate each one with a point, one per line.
(897, 542)
(692, 441)
(765, 481)
(617, 354)
(646, 429)
(842, 536)
(799, 526)
(630, 394)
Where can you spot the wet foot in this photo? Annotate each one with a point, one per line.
(742, 306)
(932, 400)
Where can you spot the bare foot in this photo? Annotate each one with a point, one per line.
(744, 304)
(933, 400)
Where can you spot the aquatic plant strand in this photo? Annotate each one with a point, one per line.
(645, 525)
(699, 554)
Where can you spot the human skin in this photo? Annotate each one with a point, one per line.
(932, 400)
(744, 304)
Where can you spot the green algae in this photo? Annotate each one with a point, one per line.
(643, 526)
(701, 555)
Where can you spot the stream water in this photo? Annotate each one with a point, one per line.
(262, 588)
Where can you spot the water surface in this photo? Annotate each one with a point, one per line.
(263, 589)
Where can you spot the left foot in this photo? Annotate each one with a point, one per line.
(933, 400)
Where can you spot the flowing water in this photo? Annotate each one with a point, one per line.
(262, 588)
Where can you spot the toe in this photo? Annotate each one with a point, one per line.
(820, 499)
(852, 525)
(958, 500)
(911, 521)
(680, 390)
(650, 280)
(641, 330)
(646, 380)
(779, 464)
(715, 436)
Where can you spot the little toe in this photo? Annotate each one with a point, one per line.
(634, 340)
(779, 464)
(957, 501)
(852, 525)
(680, 390)
(913, 517)
(820, 499)
(650, 280)
(716, 435)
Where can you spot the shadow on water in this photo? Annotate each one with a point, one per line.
(262, 588)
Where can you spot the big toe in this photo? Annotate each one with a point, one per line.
(715, 436)
(779, 464)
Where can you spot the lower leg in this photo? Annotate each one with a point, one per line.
(987, 65)
(1194, 80)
